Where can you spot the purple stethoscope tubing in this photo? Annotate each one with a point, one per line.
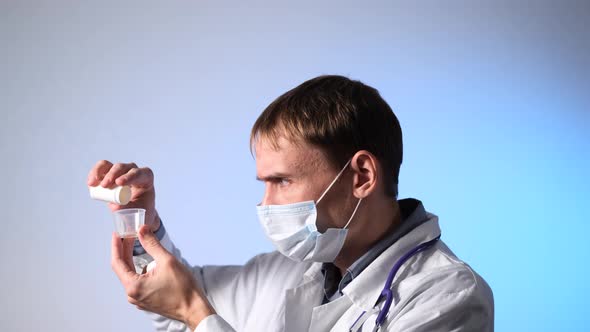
(386, 292)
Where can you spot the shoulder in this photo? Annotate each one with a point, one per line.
(444, 280)
(440, 292)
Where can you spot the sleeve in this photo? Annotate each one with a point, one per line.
(460, 301)
(224, 286)
(214, 323)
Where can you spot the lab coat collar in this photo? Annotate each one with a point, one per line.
(412, 215)
(366, 287)
(313, 273)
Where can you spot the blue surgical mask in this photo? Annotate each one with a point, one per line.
(292, 228)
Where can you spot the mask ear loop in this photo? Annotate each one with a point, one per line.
(330, 186)
(353, 213)
(333, 181)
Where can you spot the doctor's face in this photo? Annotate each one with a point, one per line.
(296, 172)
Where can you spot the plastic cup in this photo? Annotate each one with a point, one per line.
(128, 222)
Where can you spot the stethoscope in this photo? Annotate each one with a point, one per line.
(386, 293)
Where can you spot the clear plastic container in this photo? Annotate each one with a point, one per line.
(128, 222)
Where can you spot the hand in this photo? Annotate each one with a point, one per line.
(141, 181)
(169, 289)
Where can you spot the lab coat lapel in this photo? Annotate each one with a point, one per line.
(300, 301)
(326, 317)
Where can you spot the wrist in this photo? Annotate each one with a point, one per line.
(155, 224)
(197, 310)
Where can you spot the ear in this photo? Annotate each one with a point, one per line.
(364, 166)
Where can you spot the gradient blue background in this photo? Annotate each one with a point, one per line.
(493, 98)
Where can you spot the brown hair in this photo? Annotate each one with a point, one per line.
(340, 116)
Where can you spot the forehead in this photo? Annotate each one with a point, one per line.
(286, 157)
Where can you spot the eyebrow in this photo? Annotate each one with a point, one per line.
(272, 176)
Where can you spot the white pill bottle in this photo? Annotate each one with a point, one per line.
(119, 195)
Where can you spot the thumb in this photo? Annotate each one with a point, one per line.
(150, 243)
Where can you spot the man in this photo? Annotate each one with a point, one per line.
(350, 256)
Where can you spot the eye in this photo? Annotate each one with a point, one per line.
(282, 182)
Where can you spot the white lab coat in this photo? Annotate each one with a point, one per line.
(433, 291)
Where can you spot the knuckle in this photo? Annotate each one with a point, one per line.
(152, 242)
(134, 165)
(103, 163)
(168, 261)
(98, 168)
(149, 172)
(132, 291)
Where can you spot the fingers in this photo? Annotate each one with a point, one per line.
(122, 267)
(98, 172)
(151, 244)
(136, 303)
(140, 177)
(132, 301)
(109, 175)
(116, 170)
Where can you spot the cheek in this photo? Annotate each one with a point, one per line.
(292, 193)
(338, 208)
(333, 216)
(329, 217)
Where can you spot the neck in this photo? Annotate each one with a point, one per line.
(381, 218)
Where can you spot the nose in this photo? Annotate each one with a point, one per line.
(266, 197)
